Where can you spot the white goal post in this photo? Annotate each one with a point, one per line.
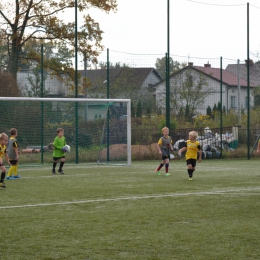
(42, 114)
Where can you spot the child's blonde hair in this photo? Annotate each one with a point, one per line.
(193, 133)
(165, 128)
(3, 136)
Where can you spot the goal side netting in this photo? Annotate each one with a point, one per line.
(98, 130)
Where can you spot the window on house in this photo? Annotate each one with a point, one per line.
(233, 101)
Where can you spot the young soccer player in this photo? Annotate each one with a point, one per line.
(192, 147)
(13, 155)
(58, 152)
(164, 146)
(3, 143)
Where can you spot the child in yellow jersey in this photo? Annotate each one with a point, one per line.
(192, 147)
(164, 146)
(3, 143)
(13, 155)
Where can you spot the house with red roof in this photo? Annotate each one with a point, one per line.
(201, 86)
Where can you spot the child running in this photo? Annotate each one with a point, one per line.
(193, 147)
(164, 146)
(3, 143)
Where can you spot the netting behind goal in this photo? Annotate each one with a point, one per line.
(98, 130)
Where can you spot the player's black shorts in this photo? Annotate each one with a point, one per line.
(57, 158)
(192, 162)
(166, 156)
(13, 162)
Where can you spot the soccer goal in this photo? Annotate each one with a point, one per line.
(98, 130)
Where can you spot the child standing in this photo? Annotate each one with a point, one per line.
(13, 155)
(58, 152)
(3, 143)
(164, 145)
(193, 147)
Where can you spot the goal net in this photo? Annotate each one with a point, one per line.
(98, 130)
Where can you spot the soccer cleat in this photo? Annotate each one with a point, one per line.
(17, 176)
(9, 178)
(167, 174)
(2, 185)
(53, 171)
(190, 179)
(60, 171)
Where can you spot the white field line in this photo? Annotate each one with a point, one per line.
(201, 193)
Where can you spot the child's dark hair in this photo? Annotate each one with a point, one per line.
(13, 131)
(59, 130)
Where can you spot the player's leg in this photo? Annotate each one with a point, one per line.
(15, 169)
(11, 170)
(55, 161)
(2, 179)
(167, 167)
(157, 170)
(189, 168)
(62, 161)
(193, 167)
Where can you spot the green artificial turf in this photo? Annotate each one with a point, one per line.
(118, 212)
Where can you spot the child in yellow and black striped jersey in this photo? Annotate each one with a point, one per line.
(13, 155)
(3, 143)
(192, 147)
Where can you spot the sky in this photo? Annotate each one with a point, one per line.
(199, 29)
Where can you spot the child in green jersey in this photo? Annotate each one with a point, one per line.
(58, 152)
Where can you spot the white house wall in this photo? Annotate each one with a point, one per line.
(51, 84)
(212, 99)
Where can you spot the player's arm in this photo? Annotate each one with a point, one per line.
(17, 153)
(56, 145)
(159, 146)
(16, 150)
(7, 158)
(184, 148)
(171, 145)
(200, 153)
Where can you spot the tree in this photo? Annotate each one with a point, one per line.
(160, 66)
(8, 86)
(103, 65)
(189, 89)
(35, 87)
(25, 20)
(139, 109)
(209, 112)
(132, 109)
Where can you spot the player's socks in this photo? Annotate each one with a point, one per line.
(61, 165)
(159, 167)
(15, 170)
(10, 171)
(166, 167)
(190, 173)
(2, 177)
(54, 165)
